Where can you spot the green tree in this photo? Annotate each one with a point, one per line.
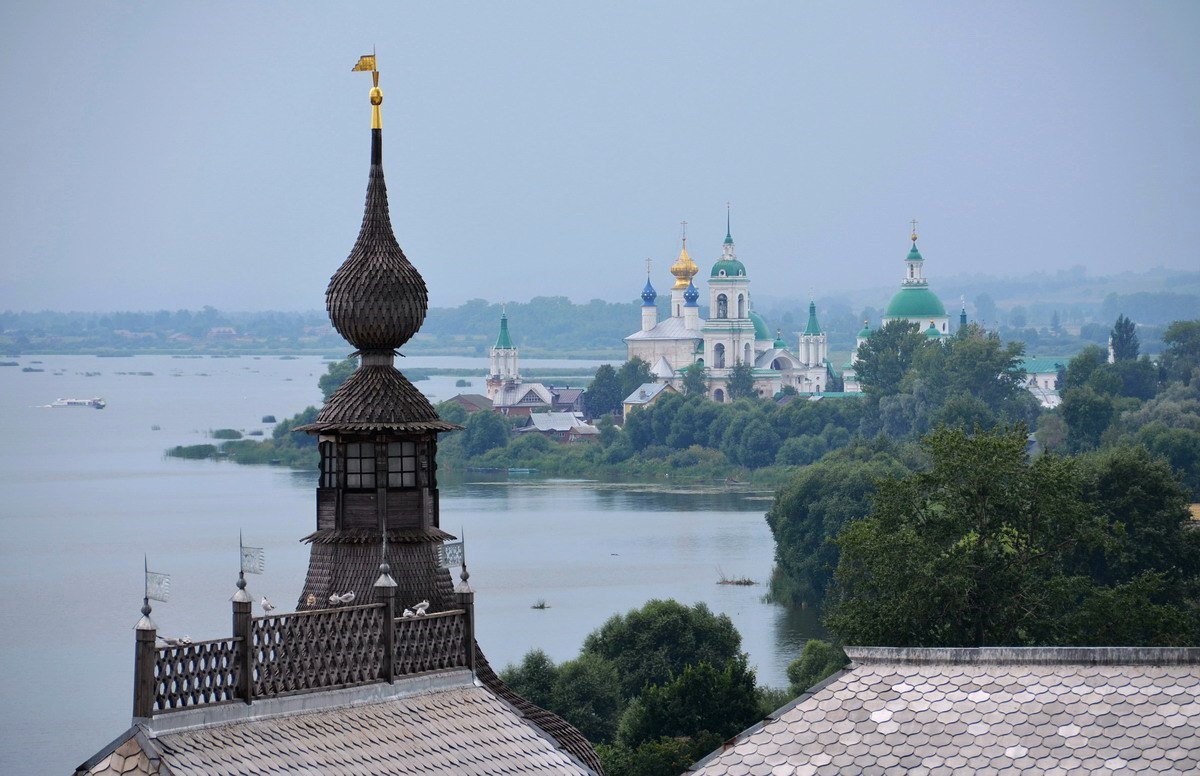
(1088, 415)
(1124, 340)
(664, 757)
(810, 510)
(702, 699)
(959, 555)
(485, 431)
(818, 660)
(452, 412)
(603, 396)
(695, 380)
(884, 359)
(533, 678)
(651, 644)
(741, 382)
(1182, 355)
(336, 373)
(1080, 369)
(633, 374)
(587, 693)
(759, 444)
(987, 547)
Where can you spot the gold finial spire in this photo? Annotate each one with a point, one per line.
(367, 62)
(914, 229)
(684, 269)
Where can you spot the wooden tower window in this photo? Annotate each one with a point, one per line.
(402, 464)
(360, 465)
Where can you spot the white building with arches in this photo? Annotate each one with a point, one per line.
(731, 335)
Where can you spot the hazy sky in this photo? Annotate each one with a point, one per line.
(168, 155)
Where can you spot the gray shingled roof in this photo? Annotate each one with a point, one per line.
(445, 724)
(985, 711)
(377, 398)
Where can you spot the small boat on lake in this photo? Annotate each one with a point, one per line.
(95, 402)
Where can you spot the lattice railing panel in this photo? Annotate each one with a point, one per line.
(430, 643)
(316, 649)
(193, 674)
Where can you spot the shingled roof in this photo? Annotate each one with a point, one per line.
(985, 711)
(445, 723)
(377, 398)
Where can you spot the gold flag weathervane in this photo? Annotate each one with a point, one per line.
(366, 63)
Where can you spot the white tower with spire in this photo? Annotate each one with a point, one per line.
(503, 369)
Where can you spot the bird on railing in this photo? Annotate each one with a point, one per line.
(421, 607)
(408, 614)
(266, 605)
(344, 598)
(170, 641)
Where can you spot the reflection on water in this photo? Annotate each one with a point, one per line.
(87, 492)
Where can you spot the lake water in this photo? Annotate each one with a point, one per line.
(87, 492)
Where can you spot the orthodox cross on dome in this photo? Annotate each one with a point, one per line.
(914, 229)
(649, 261)
(683, 230)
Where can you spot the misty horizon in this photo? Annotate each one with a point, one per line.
(177, 157)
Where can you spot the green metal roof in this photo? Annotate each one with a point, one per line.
(915, 302)
(728, 267)
(761, 332)
(932, 331)
(914, 254)
(813, 327)
(865, 331)
(503, 341)
(1044, 364)
(780, 342)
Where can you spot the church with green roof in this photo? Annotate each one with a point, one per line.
(733, 333)
(915, 302)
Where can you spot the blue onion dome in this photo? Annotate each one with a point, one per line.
(690, 295)
(648, 294)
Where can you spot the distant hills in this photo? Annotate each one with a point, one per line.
(1054, 313)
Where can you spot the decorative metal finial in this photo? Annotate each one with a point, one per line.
(649, 261)
(464, 575)
(683, 226)
(914, 229)
(367, 63)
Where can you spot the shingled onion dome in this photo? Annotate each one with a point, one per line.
(377, 300)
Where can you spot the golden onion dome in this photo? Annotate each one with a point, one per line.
(684, 269)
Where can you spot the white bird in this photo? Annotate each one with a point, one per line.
(347, 597)
(335, 599)
(266, 605)
(421, 607)
(176, 642)
(408, 614)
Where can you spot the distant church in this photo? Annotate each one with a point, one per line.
(915, 303)
(731, 335)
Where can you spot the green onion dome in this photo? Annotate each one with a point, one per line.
(761, 332)
(728, 268)
(915, 302)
